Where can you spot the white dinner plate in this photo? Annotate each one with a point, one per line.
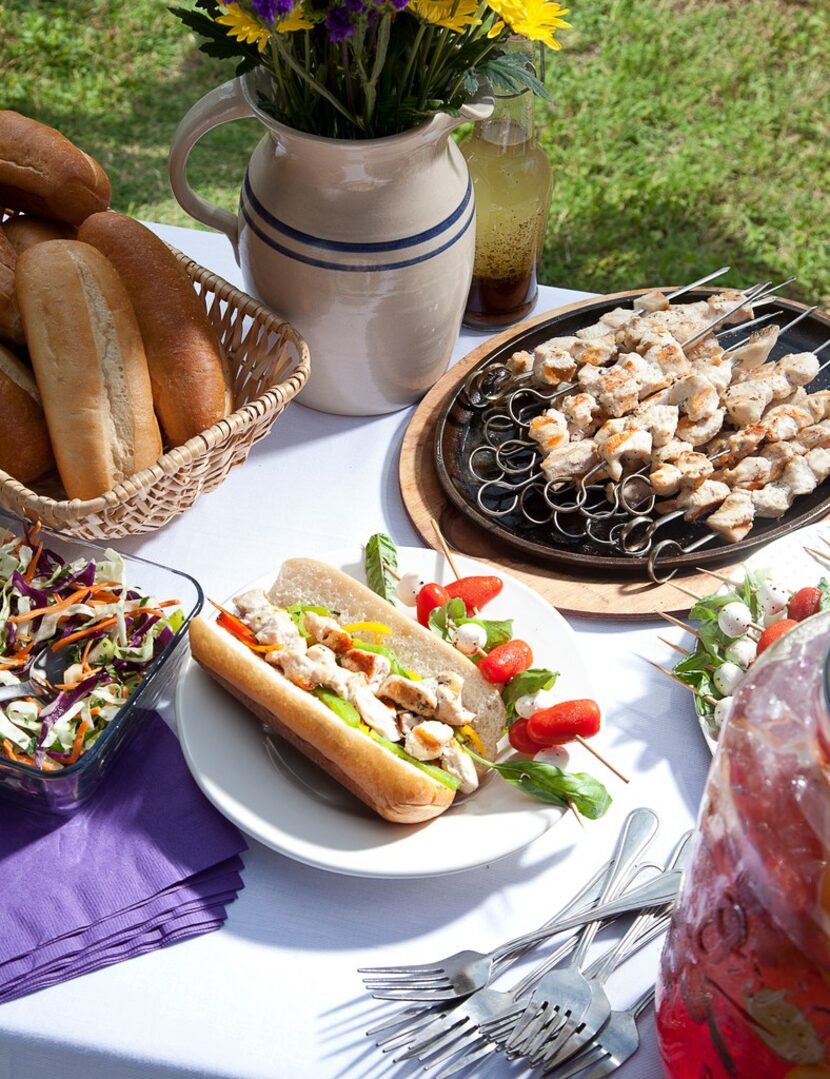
(274, 795)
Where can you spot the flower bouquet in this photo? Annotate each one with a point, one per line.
(363, 69)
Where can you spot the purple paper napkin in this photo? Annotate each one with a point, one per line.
(146, 863)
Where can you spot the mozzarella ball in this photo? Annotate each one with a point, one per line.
(531, 703)
(556, 755)
(722, 710)
(773, 597)
(469, 638)
(742, 652)
(408, 588)
(727, 678)
(769, 618)
(734, 619)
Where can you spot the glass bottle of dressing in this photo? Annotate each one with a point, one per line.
(512, 182)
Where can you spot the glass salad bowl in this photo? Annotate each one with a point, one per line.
(137, 649)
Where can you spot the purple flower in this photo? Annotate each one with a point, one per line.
(356, 7)
(265, 9)
(399, 5)
(339, 24)
(284, 7)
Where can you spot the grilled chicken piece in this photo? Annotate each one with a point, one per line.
(745, 401)
(374, 667)
(426, 741)
(719, 373)
(708, 351)
(695, 395)
(754, 352)
(671, 451)
(725, 301)
(817, 435)
(746, 441)
(520, 363)
(582, 413)
(327, 631)
(699, 431)
(653, 301)
(799, 477)
(664, 351)
(622, 442)
(616, 319)
(617, 392)
(549, 430)
(595, 331)
(597, 352)
(649, 376)
(734, 517)
(665, 480)
(772, 501)
(420, 697)
(460, 764)
(660, 421)
(552, 366)
(694, 468)
(798, 368)
(779, 454)
(450, 709)
(569, 462)
(819, 405)
(751, 473)
(819, 460)
(589, 377)
(783, 422)
(697, 501)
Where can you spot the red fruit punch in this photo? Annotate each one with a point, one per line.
(564, 722)
(506, 661)
(773, 632)
(431, 596)
(475, 591)
(804, 604)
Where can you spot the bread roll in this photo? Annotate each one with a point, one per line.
(43, 173)
(24, 231)
(11, 327)
(90, 365)
(25, 450)
(190, 387)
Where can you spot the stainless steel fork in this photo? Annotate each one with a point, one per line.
(458, 975)
(567, 993)
(618, 1041)
(579, 1030)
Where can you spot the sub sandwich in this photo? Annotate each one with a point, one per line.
(380, 703)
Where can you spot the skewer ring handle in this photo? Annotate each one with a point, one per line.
(631, 547)
(561, 507)
(660, 550)
(472, 465)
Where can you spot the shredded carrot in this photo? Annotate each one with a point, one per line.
(54, 607)
(29, 575)
(81, 633)
(85, 656)
(77, 745)
(13, 754)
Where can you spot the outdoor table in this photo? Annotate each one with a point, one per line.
(275, 993)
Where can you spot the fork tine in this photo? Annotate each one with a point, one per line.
(595, 1055)
(424, 1047)
(406, 1015)
(431, 982)
(470, 1057)
(418, 968)
(527, 1028)
(439, 1027)
(466, 1037)
(416, 996)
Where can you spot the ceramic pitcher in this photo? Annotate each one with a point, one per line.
(365, 246)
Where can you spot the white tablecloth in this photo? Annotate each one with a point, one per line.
(275, 993)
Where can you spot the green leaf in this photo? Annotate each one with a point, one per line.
(552, 785)
(497, 632)
(529, 681)
(380, 557)
(824, 587)
(512, 74)
(219, 43)
(298, 610)
(442, 619)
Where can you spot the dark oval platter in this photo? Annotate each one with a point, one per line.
(459, 432)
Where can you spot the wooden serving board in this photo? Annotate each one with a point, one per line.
(425, 501)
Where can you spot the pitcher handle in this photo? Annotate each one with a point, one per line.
(218, 106)
(475, 111)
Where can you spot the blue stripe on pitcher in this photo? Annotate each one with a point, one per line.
(346, 267)
(357, 248)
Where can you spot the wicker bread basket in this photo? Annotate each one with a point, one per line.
(269, 362)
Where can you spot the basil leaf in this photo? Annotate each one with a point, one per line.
(497, 632)
(529, 681)
(380, 556)
(553, 785)
(824, 587)
(442, 619)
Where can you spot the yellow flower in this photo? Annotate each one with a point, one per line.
(293, 21)
(244, 27)
(455, 16)
(536, 20)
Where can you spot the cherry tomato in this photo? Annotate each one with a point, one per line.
(506, 661)
(431, 596)
(521, 740)
(564, 721)
(773, 632)
(804, 603)
(475, 591)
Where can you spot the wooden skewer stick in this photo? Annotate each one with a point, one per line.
(680, 682)
(447, 552)
(718, 576)
(604, 760)
(676, 647)
(686, 591)
(820, 557)
(577, 814)
(680, 625)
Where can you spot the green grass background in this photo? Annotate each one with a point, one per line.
(682, 134)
